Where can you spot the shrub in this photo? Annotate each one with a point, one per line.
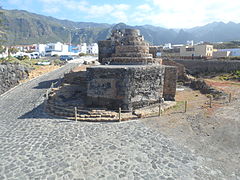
(82, 54)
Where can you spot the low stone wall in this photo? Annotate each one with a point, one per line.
(170, 83)
(10, 75)
(181, 75)
(196, 67)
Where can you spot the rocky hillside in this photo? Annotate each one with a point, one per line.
(23, 27)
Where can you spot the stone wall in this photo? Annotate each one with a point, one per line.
(128, 87)
(105, 49)
(170, 83)
(10, 75)
(196, 67)
(181, 75)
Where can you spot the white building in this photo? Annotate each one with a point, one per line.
(167, 46)
(82, 48)
(56, 49)
(41, 48)
(92, 48)
(190, 43)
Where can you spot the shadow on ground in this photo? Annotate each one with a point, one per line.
(47, 84)
(39, 113)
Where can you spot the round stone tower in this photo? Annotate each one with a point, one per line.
(130, 49)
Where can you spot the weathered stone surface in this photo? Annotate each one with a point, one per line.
(170, 79)
(131, 80)
(10, 75)
(123, 85)
(127, 87)
(125, 47)
(181, 72)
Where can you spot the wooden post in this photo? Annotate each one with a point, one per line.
(119, 114)
(210, 102)
(185, 106)
(230, 97)
(75, 111)
(159, 109)
(47, 94)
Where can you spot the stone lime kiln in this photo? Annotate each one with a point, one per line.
(128, 78)
(132, 78)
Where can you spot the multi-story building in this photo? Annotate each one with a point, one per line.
(56, 49)
(92, 48)
(82, 48)
(201, 50)
(41, 48)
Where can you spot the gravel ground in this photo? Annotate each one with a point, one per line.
(215, 136)
(37, 146)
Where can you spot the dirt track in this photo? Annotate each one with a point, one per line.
(213, 133)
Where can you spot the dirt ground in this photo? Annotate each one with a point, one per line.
(40, 70)
(213, 133)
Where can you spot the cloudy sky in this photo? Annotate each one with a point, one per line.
(164, 13)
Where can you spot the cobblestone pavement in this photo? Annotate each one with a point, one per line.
(37, 146)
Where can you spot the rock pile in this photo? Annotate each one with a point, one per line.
(10, 75)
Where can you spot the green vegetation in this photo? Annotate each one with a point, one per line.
(28, 28)
(179, 105)
(82, 54)
(227, 45)
(58, 62)
(2, 33)
(231, 76)
(24, 61)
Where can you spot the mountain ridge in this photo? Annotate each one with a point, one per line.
(24, 27)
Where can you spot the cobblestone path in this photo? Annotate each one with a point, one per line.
(34, 145)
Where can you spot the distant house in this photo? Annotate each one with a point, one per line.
(41, 48)
(233, 52)
(56, 49)
(82, 48)
(25, 48)
(203, 50)
(92, 48)
(219, 54)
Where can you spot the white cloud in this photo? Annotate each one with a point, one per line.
(144, 7)
(171, 13)
(189, 13)
(120, 16)
(48, 9)
(116, 11)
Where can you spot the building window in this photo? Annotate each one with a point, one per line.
(189, 49)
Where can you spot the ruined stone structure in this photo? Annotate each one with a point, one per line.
(125, 47)
(130, 79)
(133, 78)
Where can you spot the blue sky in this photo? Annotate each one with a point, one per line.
(164, 13)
